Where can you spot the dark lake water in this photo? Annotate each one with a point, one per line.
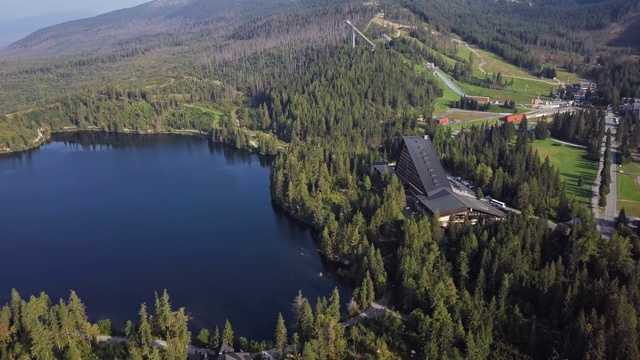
(119, 217)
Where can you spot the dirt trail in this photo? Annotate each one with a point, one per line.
(161, 85)
(26, 111)
(483, 63)
(40, 136)
(379, 20)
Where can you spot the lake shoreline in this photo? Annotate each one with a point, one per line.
(44, 138)
(90, 164)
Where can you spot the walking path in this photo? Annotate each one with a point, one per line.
(568, 143)
(40, 136)
(157, 343)
(483, 62)
(377, 309)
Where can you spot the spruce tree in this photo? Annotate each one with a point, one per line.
(280, 336)
(204, 337)
(216, 339)
(227, 334)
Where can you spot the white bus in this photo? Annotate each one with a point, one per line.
(497, 203)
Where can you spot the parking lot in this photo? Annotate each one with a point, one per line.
(461, 186)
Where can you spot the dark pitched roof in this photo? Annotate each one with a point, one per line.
(444, 204)
(235, 356)
(481, 206)
(427, 163)
(225, 348)
(447, 203)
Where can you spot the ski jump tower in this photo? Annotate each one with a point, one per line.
(355, 31)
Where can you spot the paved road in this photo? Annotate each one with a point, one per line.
(610, 212)
(605, 218)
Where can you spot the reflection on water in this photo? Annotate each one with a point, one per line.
(117, 217)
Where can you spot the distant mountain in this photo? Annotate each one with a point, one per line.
(155, 18)
(15, 29)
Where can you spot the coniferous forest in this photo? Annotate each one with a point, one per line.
(289, 84)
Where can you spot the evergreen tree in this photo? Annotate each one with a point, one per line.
(227, 333)
(216, 339)
(280, 337)
(204, 337)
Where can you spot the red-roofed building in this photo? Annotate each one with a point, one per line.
(441, 120)
(515, 117)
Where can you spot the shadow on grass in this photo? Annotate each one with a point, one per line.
(587, 170)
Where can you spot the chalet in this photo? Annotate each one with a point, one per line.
(536, 102)
(441, 120)
(515, 117)
(426, 182)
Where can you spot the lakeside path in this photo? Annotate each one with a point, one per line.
(377, 309)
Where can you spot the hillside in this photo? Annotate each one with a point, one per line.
(158, 23)
(281, 78)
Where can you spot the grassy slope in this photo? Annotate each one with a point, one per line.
(209, 109)
(442, 104)
(572, 164)
(629, 189)
(525, 88)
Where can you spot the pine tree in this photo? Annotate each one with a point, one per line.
(227, 334)
(334, 305)
(204, 337)
(303, 317)
(144, 331)
(216, 339)
(281, 336)
(163, 316)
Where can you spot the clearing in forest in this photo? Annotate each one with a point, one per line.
(629, 189)
(573, 165)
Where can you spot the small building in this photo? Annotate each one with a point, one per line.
(479, 99)
(515, 117)
(224, 352)
(536, 102)
(423, 178)
(441, 120)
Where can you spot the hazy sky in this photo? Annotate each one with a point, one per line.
(13, 9)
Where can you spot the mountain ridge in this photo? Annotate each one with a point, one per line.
(148, 19)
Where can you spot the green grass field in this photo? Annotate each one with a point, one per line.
(572, 164)
(629, 189)
(468, 124)
(441, 104)
(209, 109)
(522, 91)
(525, 86)
(463, 53)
